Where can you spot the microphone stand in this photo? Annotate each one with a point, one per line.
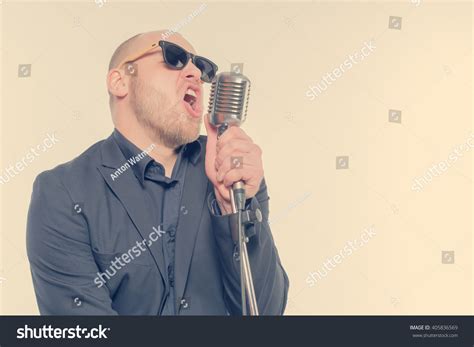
(237, 197)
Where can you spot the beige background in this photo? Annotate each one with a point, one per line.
(424, 70)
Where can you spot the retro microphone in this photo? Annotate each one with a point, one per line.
(228, 107)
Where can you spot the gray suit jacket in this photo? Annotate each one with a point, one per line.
(81, 220)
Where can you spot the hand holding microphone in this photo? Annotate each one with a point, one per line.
(234, 143)
(231, 157)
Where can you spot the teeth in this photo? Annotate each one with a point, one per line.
(191, 92)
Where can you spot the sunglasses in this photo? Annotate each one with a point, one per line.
(177, 58)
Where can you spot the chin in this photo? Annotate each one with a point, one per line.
(193, 137)
(194, 126)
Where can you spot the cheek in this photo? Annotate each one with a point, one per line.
(169, 90)
(163, 81)
(167, 81)
(165, 96)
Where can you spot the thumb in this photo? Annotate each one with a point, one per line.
(211, 133)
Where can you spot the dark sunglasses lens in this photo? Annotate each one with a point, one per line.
(208, 70)
(175, 56)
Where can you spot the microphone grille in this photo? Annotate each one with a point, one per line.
(229, 99)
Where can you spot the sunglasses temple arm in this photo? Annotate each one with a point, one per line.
(136, 56)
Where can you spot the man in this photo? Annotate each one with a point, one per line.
(141, 223)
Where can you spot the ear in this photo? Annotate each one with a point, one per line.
(117, 84)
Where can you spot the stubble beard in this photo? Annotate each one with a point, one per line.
(164, 122)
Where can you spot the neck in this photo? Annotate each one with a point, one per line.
(140, 138)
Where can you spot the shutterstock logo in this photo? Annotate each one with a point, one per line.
(15, 169)
(351, 60)
(48, 332)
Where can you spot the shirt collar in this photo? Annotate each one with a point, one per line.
(191, 150)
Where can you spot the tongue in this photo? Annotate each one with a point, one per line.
(189, 98)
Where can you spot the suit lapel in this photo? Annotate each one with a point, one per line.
(195, 190)
(131, 194)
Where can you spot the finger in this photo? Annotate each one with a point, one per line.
(211, 132)
(234, 132)
(224, 192)
(231, 148)
(236, 175)
(236, 161)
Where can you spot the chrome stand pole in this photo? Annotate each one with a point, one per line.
(246, 282)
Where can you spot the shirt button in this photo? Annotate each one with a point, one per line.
(184, 304)
(172, 232)
(236, 254)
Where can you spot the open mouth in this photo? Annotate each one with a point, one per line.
(190, 98)
(191, 102)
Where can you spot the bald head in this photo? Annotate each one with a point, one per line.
(143, 40)
(122, 51)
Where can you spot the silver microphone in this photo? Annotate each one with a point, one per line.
(228, 107)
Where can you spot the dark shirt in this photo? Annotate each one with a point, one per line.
(164, 197)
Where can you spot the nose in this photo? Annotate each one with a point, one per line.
(191, 71)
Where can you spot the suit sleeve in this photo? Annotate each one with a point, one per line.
(59, 250)
(270, 279)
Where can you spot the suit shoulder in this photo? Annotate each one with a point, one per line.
(85, 161)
